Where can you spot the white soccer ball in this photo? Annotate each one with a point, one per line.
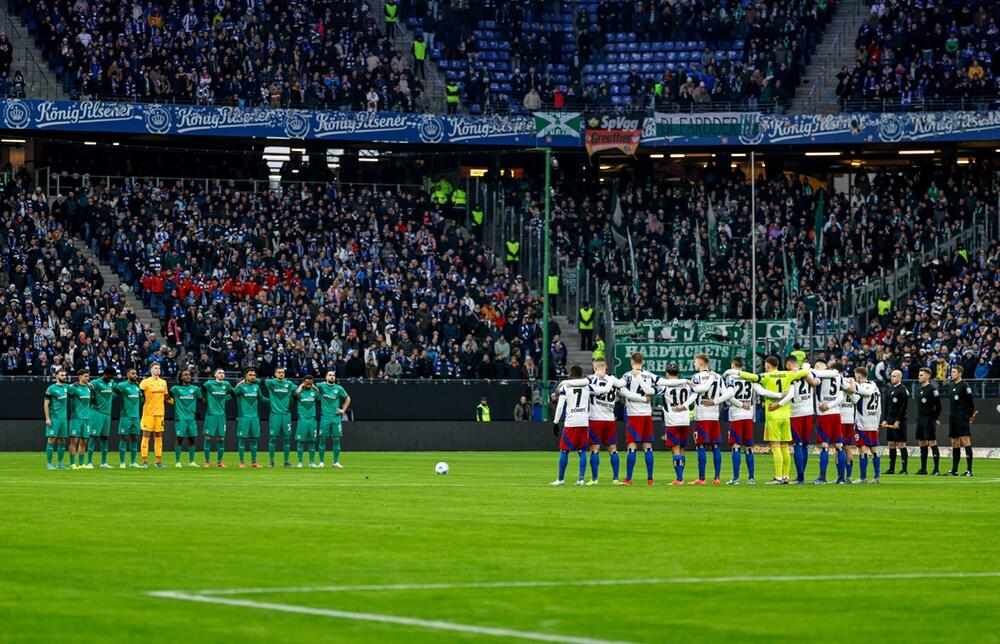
(441, 468)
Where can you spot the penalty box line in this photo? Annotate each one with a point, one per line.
(434, 624)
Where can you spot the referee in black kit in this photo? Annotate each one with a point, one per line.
(928, 420)
(896, 400)
(960, 417)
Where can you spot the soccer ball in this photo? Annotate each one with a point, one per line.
(441, 468)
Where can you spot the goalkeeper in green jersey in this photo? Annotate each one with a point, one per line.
(776, 385)
(217, 391)
(79, 419)
(333, 404)
(248, 394)
(279, 422)
(100, 417)
(184, 397)
(130, 417)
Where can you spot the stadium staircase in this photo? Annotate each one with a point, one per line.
(570, 336)
(111, 278)
(40, 81)
(403, 42)
(818, 92)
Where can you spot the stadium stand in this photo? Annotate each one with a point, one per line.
(371, 283)
(310, 55)
(921, 55)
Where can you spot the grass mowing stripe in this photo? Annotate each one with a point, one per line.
(598, 582)
(385, 619)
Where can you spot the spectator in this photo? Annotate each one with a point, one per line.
(522, 410)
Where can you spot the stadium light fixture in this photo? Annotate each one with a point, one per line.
(367, 160)
(658, 155)
(116, 144)
(478, 172)
(274, 177)
(905, 152)
(604, 167)
(828, 153)
(299, 150)
(964, 161)
(856, 163)
(90, 142)
(295, 170)
(12, 141)
(677, 155)
(739, 155)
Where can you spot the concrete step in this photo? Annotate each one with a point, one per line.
(40, 80)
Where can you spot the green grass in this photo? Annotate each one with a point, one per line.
(80, 550)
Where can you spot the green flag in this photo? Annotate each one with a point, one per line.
(550, 124)
(713, 233)
(618, 228)
(818, 224)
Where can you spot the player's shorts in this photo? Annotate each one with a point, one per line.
(603, 432)
(847, 430)
(741, 432)
(58, 429)
(280, 425)
(926, 429)
(957, 427)
(305, 431)
(248, 428)
(828, 429)
(867, 437)
(151, 424)
(639, 429)
(574, 438)
(778, 430)
(100, 425)
(186, 428)
(802, 427)
(328, 428)
(79, 428)
(215, 426)
(677, 435)
(707, 432)
(128, 427)
(897, 435)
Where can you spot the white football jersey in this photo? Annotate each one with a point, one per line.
(575, 401)
(640, 385)
(707, 386)
(829, 392)
(674, 395)
(742, 392)
(848, 409)
(602, 406)
(870, 409)
(802, 400)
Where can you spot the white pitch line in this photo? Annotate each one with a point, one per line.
(385, 619)
(597, 582)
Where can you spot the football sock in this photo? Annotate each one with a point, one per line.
(299, 448)
(797, 457)
(253, 450)
(904, 455)
(241, 448)
(105, 446)
(133, 446)
(779, 462)
(956, 457)
(850, 467)
(649, 463)
(312, 451)
(208, 450)
(736, 463)
(158, 446)
(60, 451)
(717, 460)
(937, 457)
(679, 466)
(876, 465)
(91, 446)
(702, 461)
(321, 448)
(336, 450)
(864, 467)
(271, 444)
(923, 457)
(177, 451)
(191, 451)
(749, 451)
(220, 449)
(629, 464)
(72, 456)
(50, 449)
(841, 463)
(824, 462)
(892, 458)
(595, 463)
(968, 457)
(122, 446)
(287, 445)
(615, 463)
(145, 448)
(786, 457)
(563, 462)
(805, 462)
(583, 463)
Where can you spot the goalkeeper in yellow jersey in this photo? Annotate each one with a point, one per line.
(776, 385)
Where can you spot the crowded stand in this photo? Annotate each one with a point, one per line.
(56, 309)
(308, 55)
(921, 55)
(372, 283)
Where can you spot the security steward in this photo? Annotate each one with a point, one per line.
(586, 326)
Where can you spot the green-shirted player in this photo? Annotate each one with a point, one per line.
(279, 421)
(305, 429)
(777, 416)
(56, 423)
(217, 392)
(100, 417)
(79, 419)
(129, 419)
(333, 403)
(184, 397)
(248, 393)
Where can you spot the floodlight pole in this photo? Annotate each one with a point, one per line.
(545, 283)
(753, 261)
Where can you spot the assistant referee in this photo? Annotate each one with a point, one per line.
(960, 416)
(894, 423)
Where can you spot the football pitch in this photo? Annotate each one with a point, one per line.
(385, 550)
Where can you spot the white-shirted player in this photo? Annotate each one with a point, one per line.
(603, 430)
(829, 396)
(711, 390)
(639, 418)
(869, 416)
(574, 401)
(677, 398)
(739, 399)
(848, 426)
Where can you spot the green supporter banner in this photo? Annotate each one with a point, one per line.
(657, 355)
